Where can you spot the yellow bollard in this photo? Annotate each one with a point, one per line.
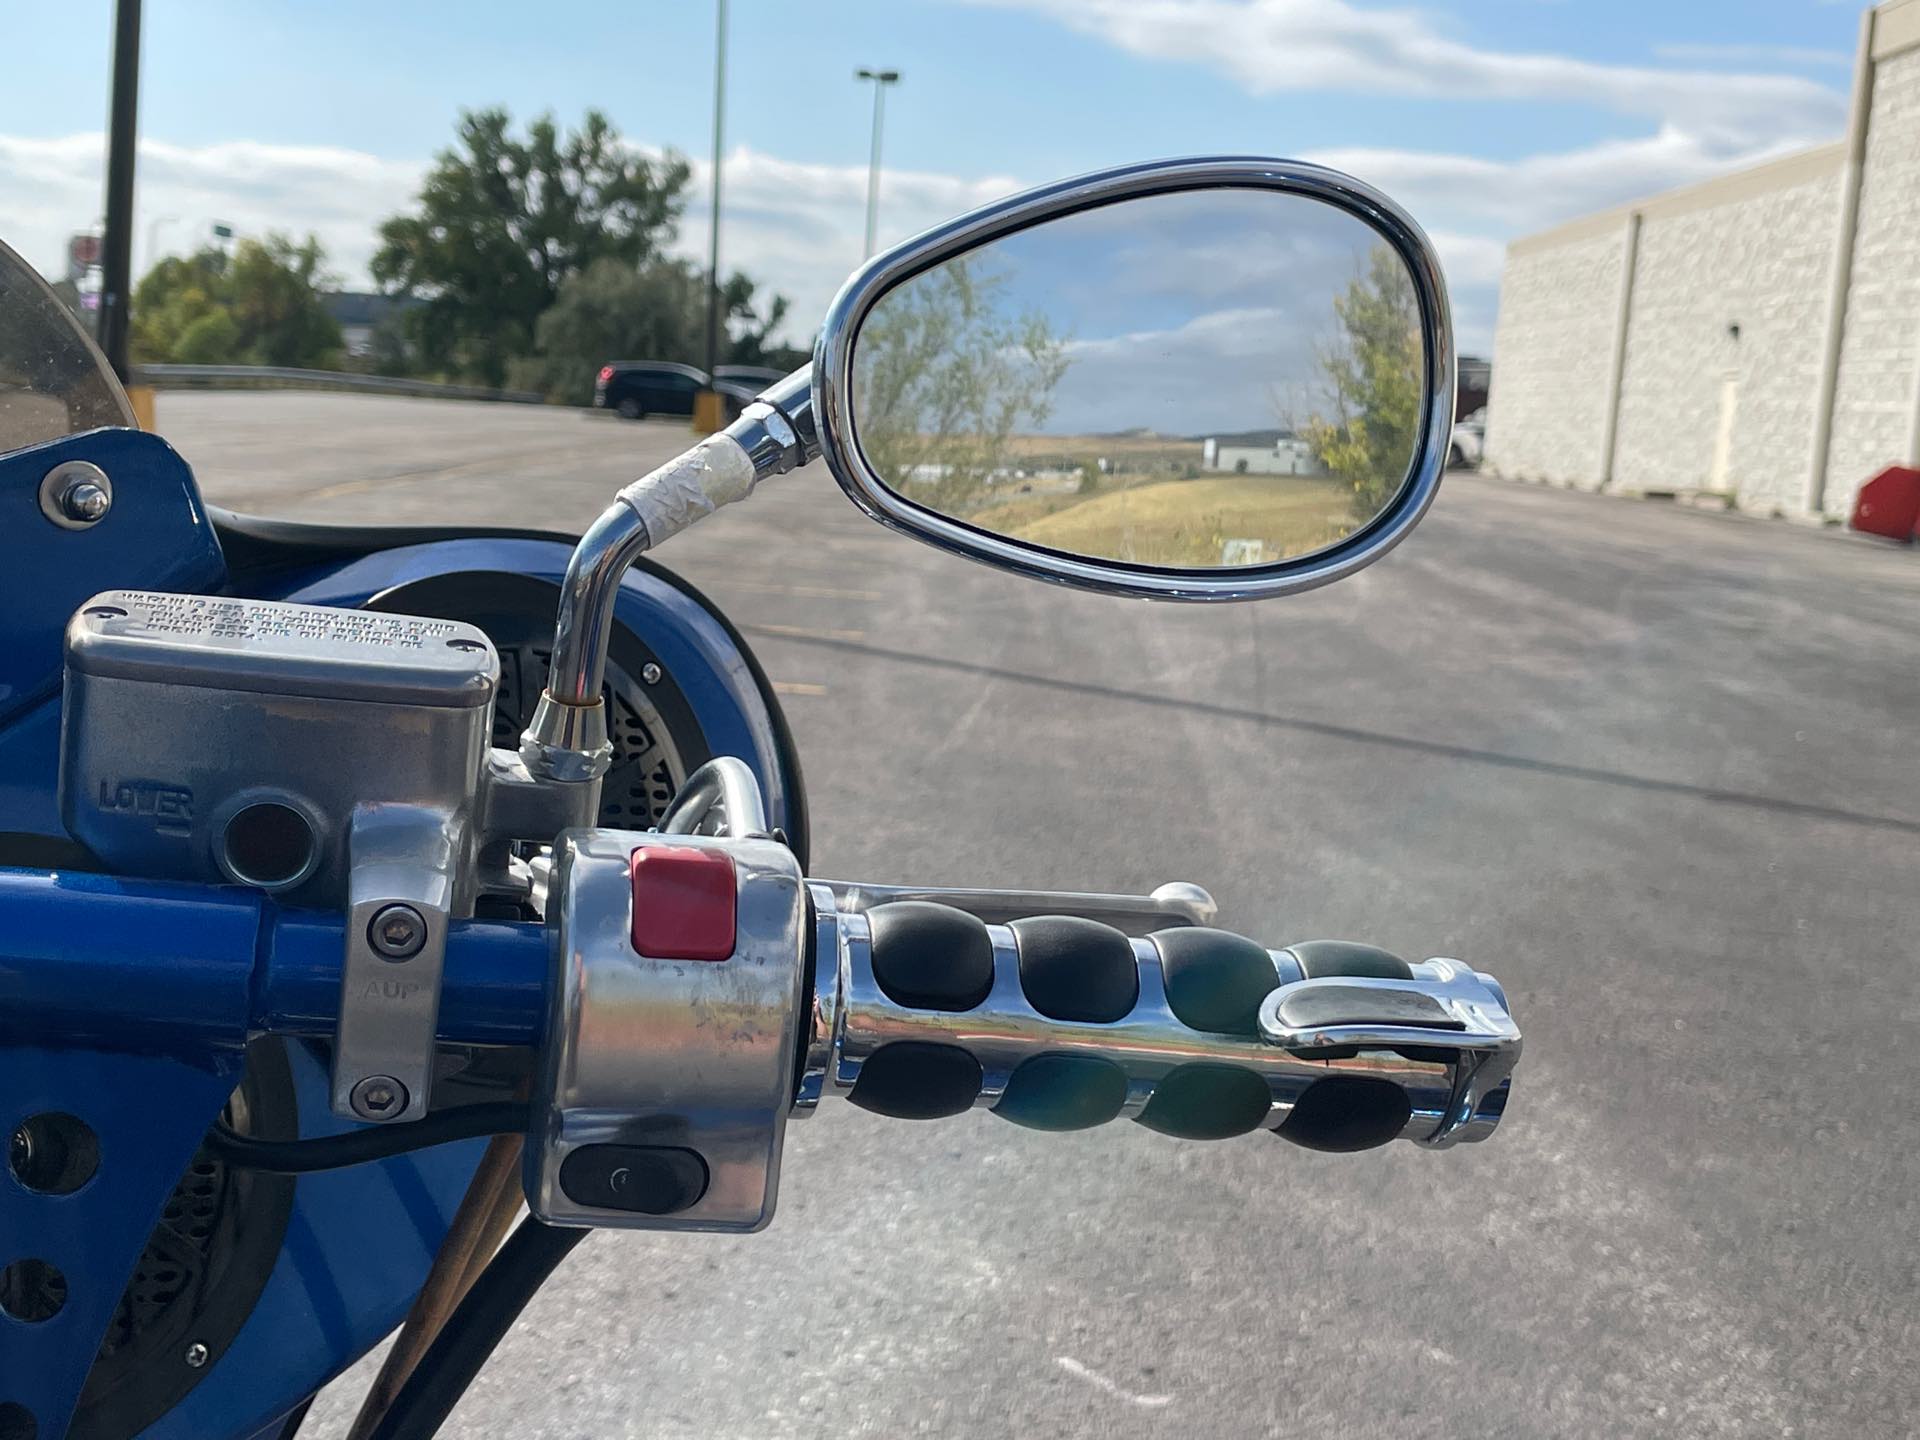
(141, 398)
(709, 412)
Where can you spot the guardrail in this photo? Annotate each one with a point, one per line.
(287, 377)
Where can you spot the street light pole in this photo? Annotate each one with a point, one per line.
(711, 419)
(154, 227)
(116, 249)
(881, 79)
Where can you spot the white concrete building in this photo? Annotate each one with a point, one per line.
(1756, 335)
(1260, 452)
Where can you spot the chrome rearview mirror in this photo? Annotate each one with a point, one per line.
(1199, 379)
(1216, 379)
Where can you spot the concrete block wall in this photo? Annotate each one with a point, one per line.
(1702, 408)
(1614, 362)
(1546, 411)
(1877, 393)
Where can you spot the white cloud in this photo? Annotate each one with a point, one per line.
(1737, 54)
(799, 227)
(1515, 197)
(796, 228)
(50, 188)
(1274, 46)
(1704, 122)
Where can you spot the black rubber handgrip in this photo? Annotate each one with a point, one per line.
(1215, 979)
(930, 957)
(1076, 969)
(1345, 1113)
(918, 1080)
(1204, 1101)
(1318, 958)
(1063, 1092)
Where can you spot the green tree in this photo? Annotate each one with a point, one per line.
(262, 305)
(212, 339)
(274, 291)
(1372, 371)
(656, 311)
(945, 372)
(503, 221)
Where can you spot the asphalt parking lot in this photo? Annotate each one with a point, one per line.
(1655, 768)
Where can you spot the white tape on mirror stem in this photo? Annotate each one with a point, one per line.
(713, 473)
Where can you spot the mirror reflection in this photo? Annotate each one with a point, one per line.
(1211, 378)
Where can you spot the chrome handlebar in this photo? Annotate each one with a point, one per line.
(1062, 1022)
(706, 993)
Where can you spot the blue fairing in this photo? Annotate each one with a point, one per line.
(359, 1241)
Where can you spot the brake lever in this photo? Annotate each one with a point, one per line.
(1178, 902)
(723, 787)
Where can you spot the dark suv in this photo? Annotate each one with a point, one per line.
(638, 388)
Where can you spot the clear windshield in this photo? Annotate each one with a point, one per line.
(53, 380)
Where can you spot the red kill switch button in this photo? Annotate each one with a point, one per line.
(683, 903)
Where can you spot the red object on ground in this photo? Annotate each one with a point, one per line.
(683, 903)
(1889, 504)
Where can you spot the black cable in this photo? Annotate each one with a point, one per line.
(476, 1326)
(356, 1147)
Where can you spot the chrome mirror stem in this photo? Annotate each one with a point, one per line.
(566, 742)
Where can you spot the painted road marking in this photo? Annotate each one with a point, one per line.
(816, 592)
(802, 632)
(1100, 1382)
(798, 687)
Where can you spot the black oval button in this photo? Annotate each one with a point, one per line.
(647, 1179)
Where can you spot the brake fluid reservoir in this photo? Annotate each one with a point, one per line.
(209, 738)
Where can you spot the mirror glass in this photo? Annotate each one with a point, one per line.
(1200, 379)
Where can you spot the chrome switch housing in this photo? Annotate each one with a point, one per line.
(666, 1082)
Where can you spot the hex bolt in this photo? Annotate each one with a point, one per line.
(85, 502)
(75, 495)
(377, 1097)
(196, 1355)
(397, 932)
(650, 673)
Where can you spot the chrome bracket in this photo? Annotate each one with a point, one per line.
(1446, 1007)
(404, 863)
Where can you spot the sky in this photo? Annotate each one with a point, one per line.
(1196, 313)
(1487, 119)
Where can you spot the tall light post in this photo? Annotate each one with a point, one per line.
(154, 227)
(881, 79)
(116, 247)
(707, 415)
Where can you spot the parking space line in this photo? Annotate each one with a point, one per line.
(812, 592)
(802, 632)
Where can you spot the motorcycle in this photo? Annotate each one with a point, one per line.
(363, 886)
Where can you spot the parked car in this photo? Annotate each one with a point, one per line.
(639, 388)
(757, 376)
(1469, 440)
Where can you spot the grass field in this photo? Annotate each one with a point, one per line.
(1182, 522)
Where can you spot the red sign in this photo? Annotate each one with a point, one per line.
(83, 252)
